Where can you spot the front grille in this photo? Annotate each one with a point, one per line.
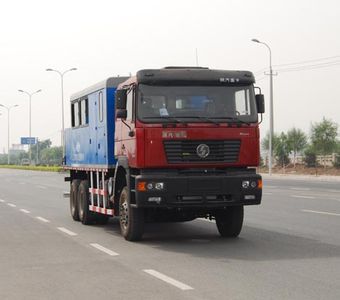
(185, 151)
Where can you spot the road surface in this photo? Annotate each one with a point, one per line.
(289, 248)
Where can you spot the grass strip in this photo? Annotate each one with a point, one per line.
(33, 168)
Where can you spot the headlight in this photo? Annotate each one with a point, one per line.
(159, 186)
(149, 186)
(245, 184)
(253, 184)
(152, 186)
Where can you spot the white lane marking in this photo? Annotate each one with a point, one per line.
(42, 219)
(300, 189)
(303, 197)
(22, 183)
(105, 250)
(2, 201)
(69, 232)
(42, 187)
(25, 211)
(333, 191)
(271, 186)
(169, 280)
(11, 204)
(321, 212)
(267, 193)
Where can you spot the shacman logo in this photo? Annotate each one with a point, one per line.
(202, 150)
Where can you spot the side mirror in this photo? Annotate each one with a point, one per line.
(121, 114)
(260, 103)
(120, 99)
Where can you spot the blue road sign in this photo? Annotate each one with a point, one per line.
(28, 141)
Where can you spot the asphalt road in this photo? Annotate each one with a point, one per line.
(289, 248)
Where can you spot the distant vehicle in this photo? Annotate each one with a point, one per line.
(25, 162)
(166, 145)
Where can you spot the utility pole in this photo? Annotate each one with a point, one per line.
(8, 123)
(62, 106)
(30, 118)
(271, 109)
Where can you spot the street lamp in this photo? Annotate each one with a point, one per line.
(30, 123)
(8, 110)
(271, 115)
(62, 105)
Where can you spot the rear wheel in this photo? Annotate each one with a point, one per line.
(131, 218)
(229, 222)
(85, 215)
(74, 199)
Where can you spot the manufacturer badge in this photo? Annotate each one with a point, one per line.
(202, 150)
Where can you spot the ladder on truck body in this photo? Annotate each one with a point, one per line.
(101, 194)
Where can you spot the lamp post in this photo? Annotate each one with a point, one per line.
(30, 115)
(62, 105)
(8, 111)
(271, 109)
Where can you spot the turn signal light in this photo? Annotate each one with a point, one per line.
(259, 184)
(141, 186)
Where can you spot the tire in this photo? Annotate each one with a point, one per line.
(85, 215)
(74, 199)
(229, 222)
(131, 219)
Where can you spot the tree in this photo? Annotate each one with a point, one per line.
(39, 147)
(297, 141)
(282, 150)
(265, 142)
(52, 156)
(323, 136)
(310, 157)
(280, 146)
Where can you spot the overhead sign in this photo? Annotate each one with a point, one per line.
(28, 141)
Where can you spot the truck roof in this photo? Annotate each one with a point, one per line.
(111, 82)
(194, 76)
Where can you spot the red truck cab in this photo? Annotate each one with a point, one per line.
(187, 146)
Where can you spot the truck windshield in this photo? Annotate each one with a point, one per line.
(230, 104)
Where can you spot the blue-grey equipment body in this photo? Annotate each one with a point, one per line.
(90, 141)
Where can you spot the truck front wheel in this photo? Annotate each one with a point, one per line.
(229, 222)
(131, 219)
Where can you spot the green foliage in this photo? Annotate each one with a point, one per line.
(52, 156)
(336, 163)
(32, 168)
(42, 154)
(337, 156)
(265, 141)
(282, 150)
(323, 137)
(297, 141)
(3, 159)
(280, 146)
(310, 157)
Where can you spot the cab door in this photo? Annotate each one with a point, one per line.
(128, 141)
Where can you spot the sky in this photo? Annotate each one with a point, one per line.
(109, 38)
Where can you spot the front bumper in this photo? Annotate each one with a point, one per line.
(200, 191)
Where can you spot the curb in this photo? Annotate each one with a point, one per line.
(302, 177)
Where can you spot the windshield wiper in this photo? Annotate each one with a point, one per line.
(235, 119)
(166, 118)
(200, 118)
